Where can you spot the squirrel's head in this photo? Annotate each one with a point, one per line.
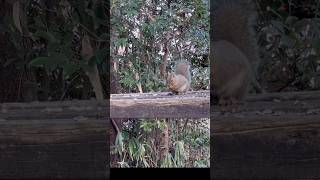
(171, 79)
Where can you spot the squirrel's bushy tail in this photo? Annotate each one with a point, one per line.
(233, 21)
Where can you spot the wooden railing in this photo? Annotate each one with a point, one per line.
(270, 136)
(194, 104)
(54, 139)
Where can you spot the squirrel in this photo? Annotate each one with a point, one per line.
(180, 80)
(235, 53)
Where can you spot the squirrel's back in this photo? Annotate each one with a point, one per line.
(232, 71)
(233, 21)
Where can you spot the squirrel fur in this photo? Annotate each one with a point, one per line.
(235, 53)
(180, 80)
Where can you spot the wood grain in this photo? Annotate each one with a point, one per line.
(54, 140)
(270, 136)
(150, 105)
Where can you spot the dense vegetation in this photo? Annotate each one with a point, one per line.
(147, 37)
(53, 50)
(289, 36)
(58, 50)
(161, 143)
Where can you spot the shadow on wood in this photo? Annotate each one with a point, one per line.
(271, 136)
(194, 104)
(54, 140)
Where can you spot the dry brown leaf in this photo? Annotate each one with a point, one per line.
(87, 50)
(94, 78)
(16, 16)
(92, 73)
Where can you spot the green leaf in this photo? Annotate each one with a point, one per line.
(67, 51)
(316, 44)
(104, 37)
(53, 46)
(199, 164)
(46, 35)
(3, 28)
(119, 142)
(101, 55)
(132, 148)
(141, 151)
(168, 161)
(39, 62)
(69, 69)
(50, 63)
(179, 153)
(121, 42)
(99, 11)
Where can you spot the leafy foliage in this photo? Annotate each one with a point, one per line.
(143, 30)
(140, 144)
(289, 35)
(47, 37)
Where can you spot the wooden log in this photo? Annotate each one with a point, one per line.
(194, 104)
(54, 140)
(270, 136)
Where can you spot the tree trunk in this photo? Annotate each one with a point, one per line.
(164, 141)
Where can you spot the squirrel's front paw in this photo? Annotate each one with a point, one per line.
(173, 93)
